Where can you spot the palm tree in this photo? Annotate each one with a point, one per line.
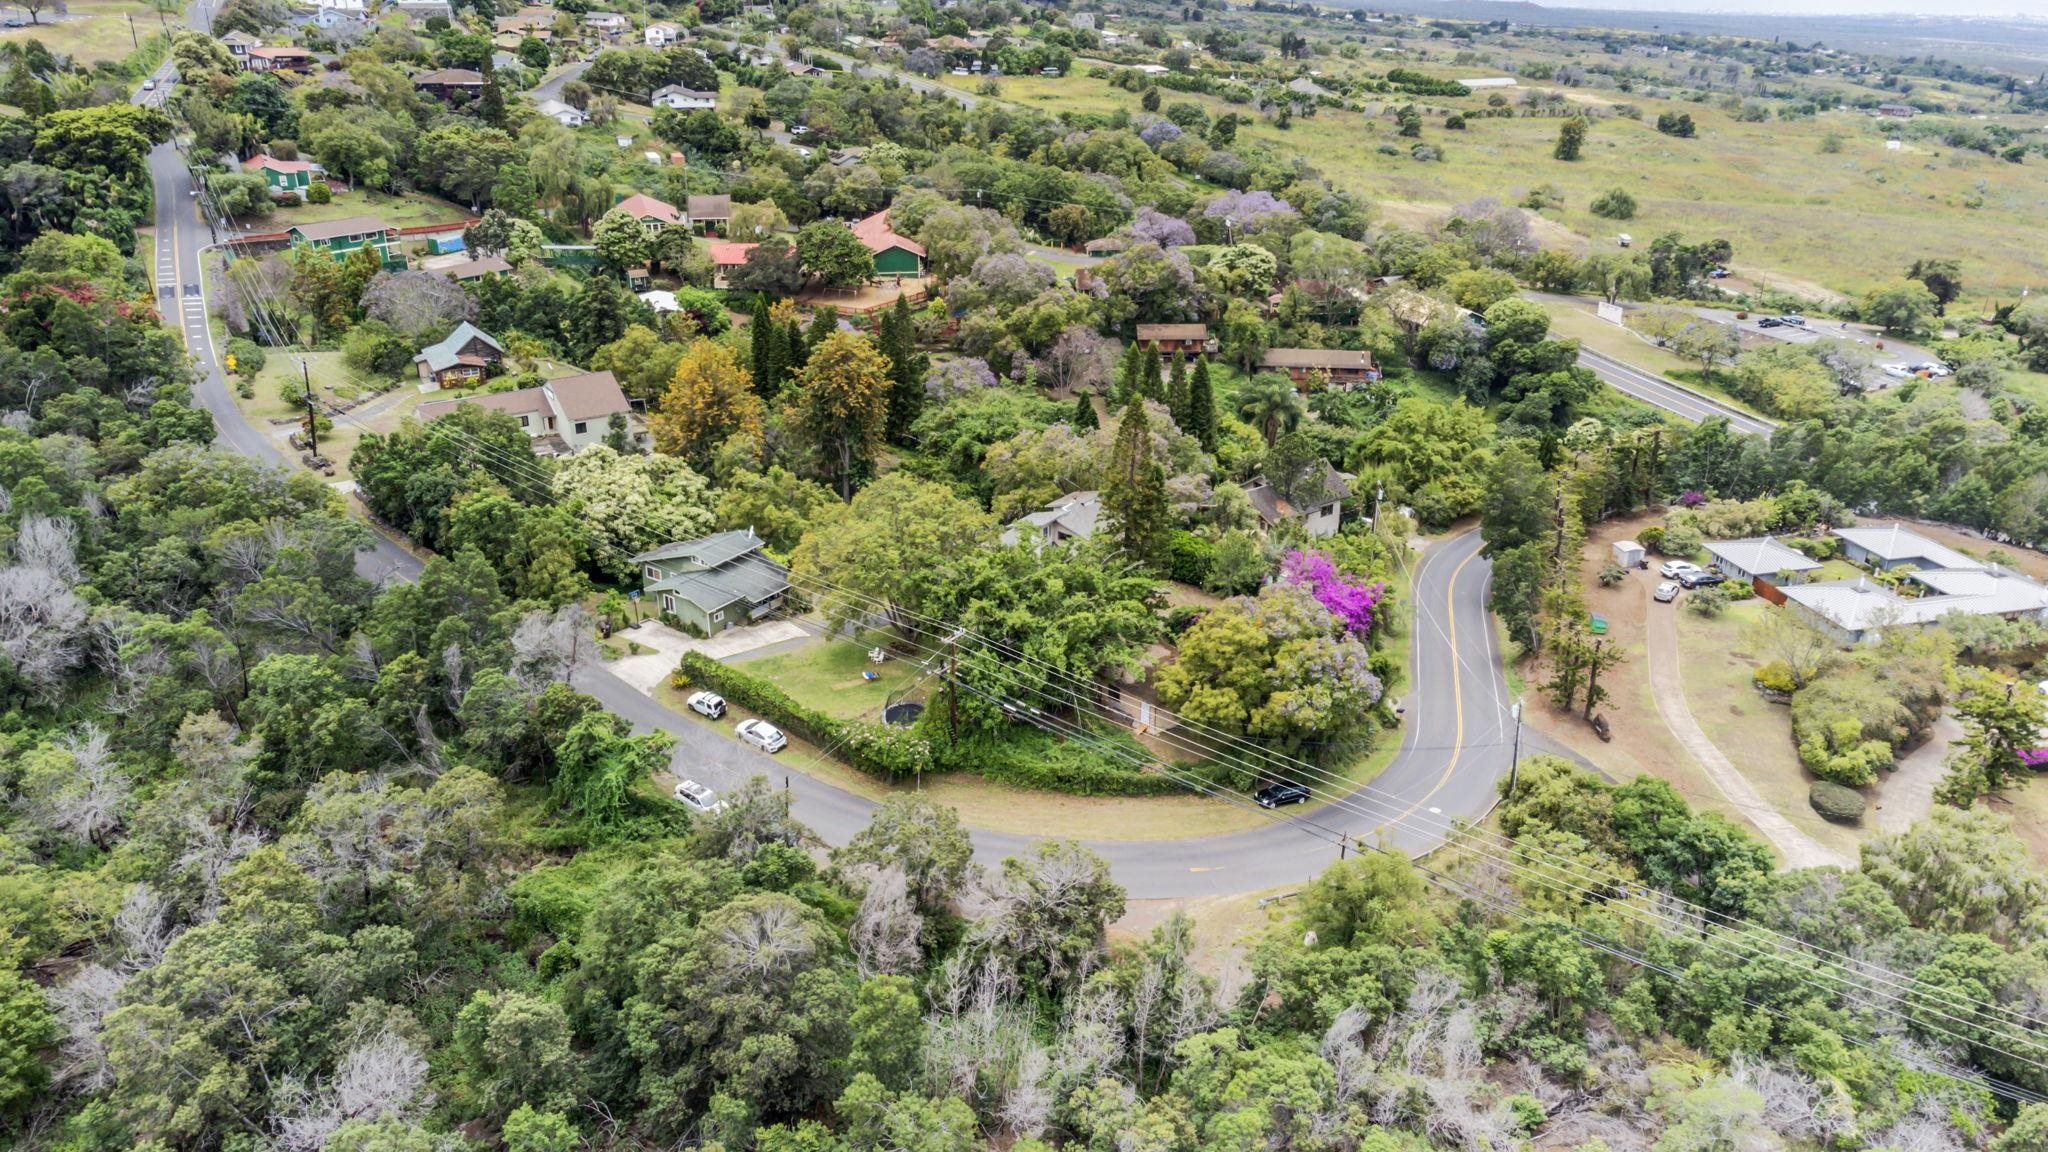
(1269, 402)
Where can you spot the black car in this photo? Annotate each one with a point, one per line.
(1280, 795)
(1701, 579)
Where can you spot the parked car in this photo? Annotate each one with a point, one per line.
(1672, 569)
(149, 85)
(1770, 322)
(1280, 795)
(1896, 371)
(1933, 371)
(1666, 592)
(707, 704)
(763, 735)
(1719, 273)
(1700, 578)
(698, 796)
(1793, 319)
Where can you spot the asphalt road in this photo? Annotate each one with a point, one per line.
(1455, 741)
(1656, 391)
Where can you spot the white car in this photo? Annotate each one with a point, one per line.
(1933, 371)
(1673, 569)
(1897, 371)
(707, 704)
(1666, 592)
(698, 796)
(763, 735)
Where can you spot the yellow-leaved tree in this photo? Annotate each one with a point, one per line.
(709, 399)
(842, 401)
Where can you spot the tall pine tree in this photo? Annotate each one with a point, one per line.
(1128, 368)
(1177, 390)
(1085, 419)
(906, 369)
(771, 349)
(796, 349)
(1201, 421)
(1135, 492)
(1148, 374)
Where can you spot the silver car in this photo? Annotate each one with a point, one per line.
(1666, 592)
(763, 735)
(1673, 569)
(698, 797)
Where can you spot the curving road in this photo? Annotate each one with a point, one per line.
(1455, 744)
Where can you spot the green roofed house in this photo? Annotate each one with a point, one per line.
(714, 583)
(896, 255)
(338, 238)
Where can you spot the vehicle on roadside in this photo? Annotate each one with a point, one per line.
(1700, 578)
(1280, 795)
(1896, 371)
(149, 85)
(1793, 319)
(763, 735)
(1770, 322)
(707, 704)
(1718, 273)
(1665, 593)
(698, 797)
(1672, 569)
(1933, 370)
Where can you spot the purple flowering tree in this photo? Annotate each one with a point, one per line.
(1163, 230)
(1248, 211)
(1164, 132)
(1350, 602)
(958, 377)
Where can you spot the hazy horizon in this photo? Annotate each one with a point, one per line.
(1991, 8)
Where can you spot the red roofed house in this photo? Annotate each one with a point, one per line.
(726, 255)
(653, 215)
(284, 175)
(895, 255)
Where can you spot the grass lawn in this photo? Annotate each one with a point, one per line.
(826, 675)
(1837, 569)
(92, 31)
(1755, 734)
(280, 389)
(405, 210)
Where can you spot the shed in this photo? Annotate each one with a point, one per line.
(1629, 554)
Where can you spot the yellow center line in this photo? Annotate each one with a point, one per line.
(1457, 698)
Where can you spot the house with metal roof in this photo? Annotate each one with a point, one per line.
(340, 238)
(1760, 558)
(713, 583)
(463, 359)
(284, 175)
(1937, 582)
(1192, 339)
(1071, 517)
(1888, 546)
(895, 255)
(1342, 367)
(709, 212)
(653, 214)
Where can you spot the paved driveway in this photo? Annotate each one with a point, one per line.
(647, 670)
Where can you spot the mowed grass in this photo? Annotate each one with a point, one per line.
(1842, 221)
(93, 30)
(826, 675)
(405, 210)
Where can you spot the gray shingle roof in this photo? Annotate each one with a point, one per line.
(1897, 542)
(1761, 555)
(751, 578)
(706, 551)
(442, 356)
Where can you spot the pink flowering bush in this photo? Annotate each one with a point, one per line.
(1350, 602)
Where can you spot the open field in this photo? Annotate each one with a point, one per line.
(92, 31)
(1839, 221)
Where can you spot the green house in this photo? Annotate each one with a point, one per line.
(284, 175)
(896, 256)
(339, 238)
(714, 583)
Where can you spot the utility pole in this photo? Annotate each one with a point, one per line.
(1515, 760)
(312, 418)
(132, 37)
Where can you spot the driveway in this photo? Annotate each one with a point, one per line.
(1667, 687)
(647, 670)
(1907, 795)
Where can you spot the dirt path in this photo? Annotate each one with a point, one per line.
(1907, 795)
(1667, 688)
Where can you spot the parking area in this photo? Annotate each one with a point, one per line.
(664, 647)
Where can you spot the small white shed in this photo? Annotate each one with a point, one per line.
(1629, 554)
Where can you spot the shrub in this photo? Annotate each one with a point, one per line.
(1611, 575)
(1184, 617)
(1709, 601)
(1454, 121)
(1776, 677)
(1189, 558)
(1680, 542)
(1652, 538)
(1614, 205)
(1738, 590)
(249, 356)
(318, 193)
(1836, 803)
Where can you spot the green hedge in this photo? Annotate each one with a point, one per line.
(877, 749)
(1835, 802)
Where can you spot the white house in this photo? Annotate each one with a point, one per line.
(1947, 583)
(662, 35)
(1760, 558)
(562, 416)
(562, 114)
(608, 23)
(1321, 513)
(688, 99)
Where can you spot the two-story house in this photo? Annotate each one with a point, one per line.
(561, 417)
(339, 238)
(462, 360)
(1321, 510)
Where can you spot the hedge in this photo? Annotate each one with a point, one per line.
(877, 749)
(1835, 802)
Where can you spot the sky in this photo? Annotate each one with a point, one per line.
(2034, 8)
